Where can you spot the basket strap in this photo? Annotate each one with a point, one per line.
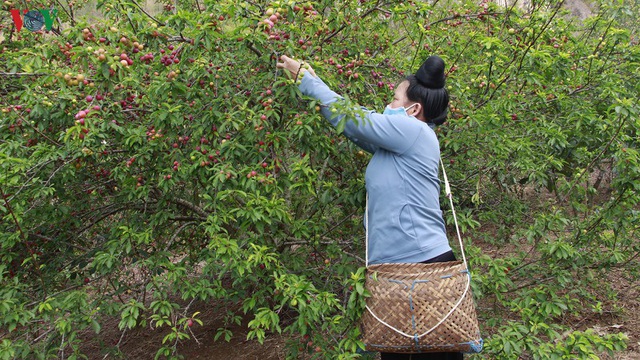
(366, 232)
(447, 192)
(447, 188)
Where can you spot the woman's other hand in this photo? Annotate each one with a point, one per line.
(293, 67)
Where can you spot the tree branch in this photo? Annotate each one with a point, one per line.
(196, 209)
(8, 74)
(175, 235)
(254, 49)
(149, 15)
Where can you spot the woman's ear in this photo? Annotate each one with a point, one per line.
(416, 110)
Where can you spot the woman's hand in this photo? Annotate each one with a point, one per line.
(293, 67)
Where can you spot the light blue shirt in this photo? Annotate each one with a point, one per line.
(405, 220)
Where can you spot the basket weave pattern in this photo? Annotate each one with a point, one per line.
(413, 299)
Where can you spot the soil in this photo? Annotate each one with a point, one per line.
(141, 344)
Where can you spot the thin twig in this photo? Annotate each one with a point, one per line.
(43, 335)
(175, 235)
(254, 49)
(27, 182)
(146, 13)
(62, 347)
(333, 34)
(104, 216)
(7, 74)
(73, 287)
(46, 183)
(339, 223)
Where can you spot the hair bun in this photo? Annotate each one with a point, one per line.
(431, 73)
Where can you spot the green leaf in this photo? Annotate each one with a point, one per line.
(96, 326)
(105, 70)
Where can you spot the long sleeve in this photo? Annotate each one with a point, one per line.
(371, 131)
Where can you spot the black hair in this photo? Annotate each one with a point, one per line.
(426, 86)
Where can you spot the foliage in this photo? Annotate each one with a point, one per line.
(150, 163)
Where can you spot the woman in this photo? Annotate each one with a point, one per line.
(405, 220)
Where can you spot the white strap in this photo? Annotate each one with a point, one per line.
(447, 188)
(447, 192)
(366, 232)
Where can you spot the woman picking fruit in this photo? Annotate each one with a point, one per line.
(405, 221)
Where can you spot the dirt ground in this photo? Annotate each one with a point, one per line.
(629, 320)
(140, 343)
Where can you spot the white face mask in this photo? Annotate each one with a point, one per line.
(397, 111)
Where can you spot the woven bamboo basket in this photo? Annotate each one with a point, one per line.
(417, 308)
